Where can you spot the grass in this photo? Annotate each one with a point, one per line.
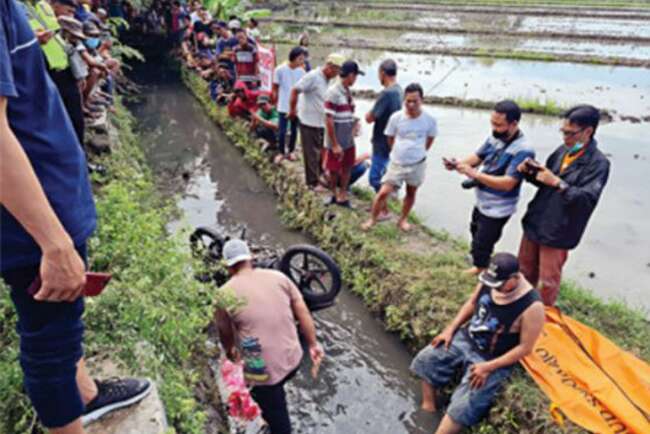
(550, 3)
(414, 282)
(151, 318)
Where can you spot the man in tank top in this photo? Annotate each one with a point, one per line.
(493, 330)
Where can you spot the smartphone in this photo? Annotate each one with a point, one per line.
(450, 163)
(95, 284)
(533, 166)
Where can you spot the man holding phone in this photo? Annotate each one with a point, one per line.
(569, 187)
(497, 182)
(46, 215)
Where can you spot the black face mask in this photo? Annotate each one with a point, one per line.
(501, 136)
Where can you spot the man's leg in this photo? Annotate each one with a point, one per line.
(293, 135)
(273, 403)
(311, 154)
(345, 174)
(87, 386)
(448, 426)
(407, 205)
(486, 232)
(377, 204)
(282, 134)
(378, 166)
(551, 261)
(529, 260)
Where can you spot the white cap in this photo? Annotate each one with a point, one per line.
(235, 251)
(234, 24)
(335, 59)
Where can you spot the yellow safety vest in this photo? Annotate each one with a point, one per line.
(42, 17)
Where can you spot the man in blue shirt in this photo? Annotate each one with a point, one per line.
(46, 215)
(496, 183)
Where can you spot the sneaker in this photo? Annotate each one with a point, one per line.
(114, 394)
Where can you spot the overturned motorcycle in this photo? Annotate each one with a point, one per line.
(314, 272)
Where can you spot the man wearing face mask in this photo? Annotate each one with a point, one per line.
(570, 186)
(497, 182)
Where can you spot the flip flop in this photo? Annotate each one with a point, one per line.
(345, 204)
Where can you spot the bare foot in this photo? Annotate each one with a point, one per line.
(291, 157)
(383, 216)
(429, 407)
(368, 224)
(474, 271)
(278, 159)
(404, 225)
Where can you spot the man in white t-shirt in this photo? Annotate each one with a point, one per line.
(311, 113)
(285, 77)
(410, 134)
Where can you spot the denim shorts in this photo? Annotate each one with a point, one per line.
(438, 366)
(51, 337)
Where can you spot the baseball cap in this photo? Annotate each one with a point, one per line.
(262, 99)
(235, 251)
(72, 26)
(234, 24)
(350, 67)
(335, 59)
(502, 267)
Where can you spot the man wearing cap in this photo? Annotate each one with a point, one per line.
(494, 329)
(46, 218)
(339, 128)
(263, 331)
(310, 111)
(244, 102)
(265, 121)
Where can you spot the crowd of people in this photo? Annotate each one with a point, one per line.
(57, 74)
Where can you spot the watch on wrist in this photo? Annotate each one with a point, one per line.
(562, 185)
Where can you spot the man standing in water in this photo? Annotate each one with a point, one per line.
(494, 329)
(569, 187)
(47, 213)
(410, 132)
(310, 111)
(263, 331)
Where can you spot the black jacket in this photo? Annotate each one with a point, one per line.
(558, 219)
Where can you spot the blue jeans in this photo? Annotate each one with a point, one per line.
(378, 167)
(51, 337)
(437, 366)
(284, 124)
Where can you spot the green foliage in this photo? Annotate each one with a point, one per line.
(222, 9)
(414, 282)
(151, 318)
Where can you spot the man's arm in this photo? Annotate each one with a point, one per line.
(274, 93)
(331, 133)
(293, 101)
(62, 270)
(586, 193)
(429, 143)
(226, 333)
(305, 321)
(532, 322)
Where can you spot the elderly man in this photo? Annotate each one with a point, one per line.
(311, 113)
(263, 331)
(494, 329)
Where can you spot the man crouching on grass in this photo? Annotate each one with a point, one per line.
(495, 328)
(410, 134)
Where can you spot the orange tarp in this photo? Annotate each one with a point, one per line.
(589, 379)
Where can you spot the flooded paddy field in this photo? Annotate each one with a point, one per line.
(621, 89)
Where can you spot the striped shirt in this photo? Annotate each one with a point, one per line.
(246, 63)
(339, 105)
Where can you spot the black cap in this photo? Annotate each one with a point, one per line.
(502, 267)
(350, 67)
(389, 66)
(263, 99)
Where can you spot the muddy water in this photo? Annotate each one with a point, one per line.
(364, 384)
(613, 258)
(624, 89)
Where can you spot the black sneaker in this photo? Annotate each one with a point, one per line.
(114, 394)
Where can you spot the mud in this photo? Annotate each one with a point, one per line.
(461, 31)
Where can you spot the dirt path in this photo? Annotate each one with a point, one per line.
(365, 44)
(460, 31)
(578, 12)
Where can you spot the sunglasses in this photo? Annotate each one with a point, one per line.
(569, 133)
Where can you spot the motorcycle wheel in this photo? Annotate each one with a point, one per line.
(206, 243)
(314, 272)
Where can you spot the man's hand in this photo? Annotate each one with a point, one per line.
(444, 338)
(44, 36)
(546, 177)
(478, 374)
(467, 170)
(292, 114)
(337, 150)
(62, 275)
(233, 355)
(316, 354)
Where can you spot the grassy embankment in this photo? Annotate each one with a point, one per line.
(151, 318)
(414, 282)
(642, 4)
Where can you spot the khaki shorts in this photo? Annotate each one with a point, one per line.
(412, 175)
